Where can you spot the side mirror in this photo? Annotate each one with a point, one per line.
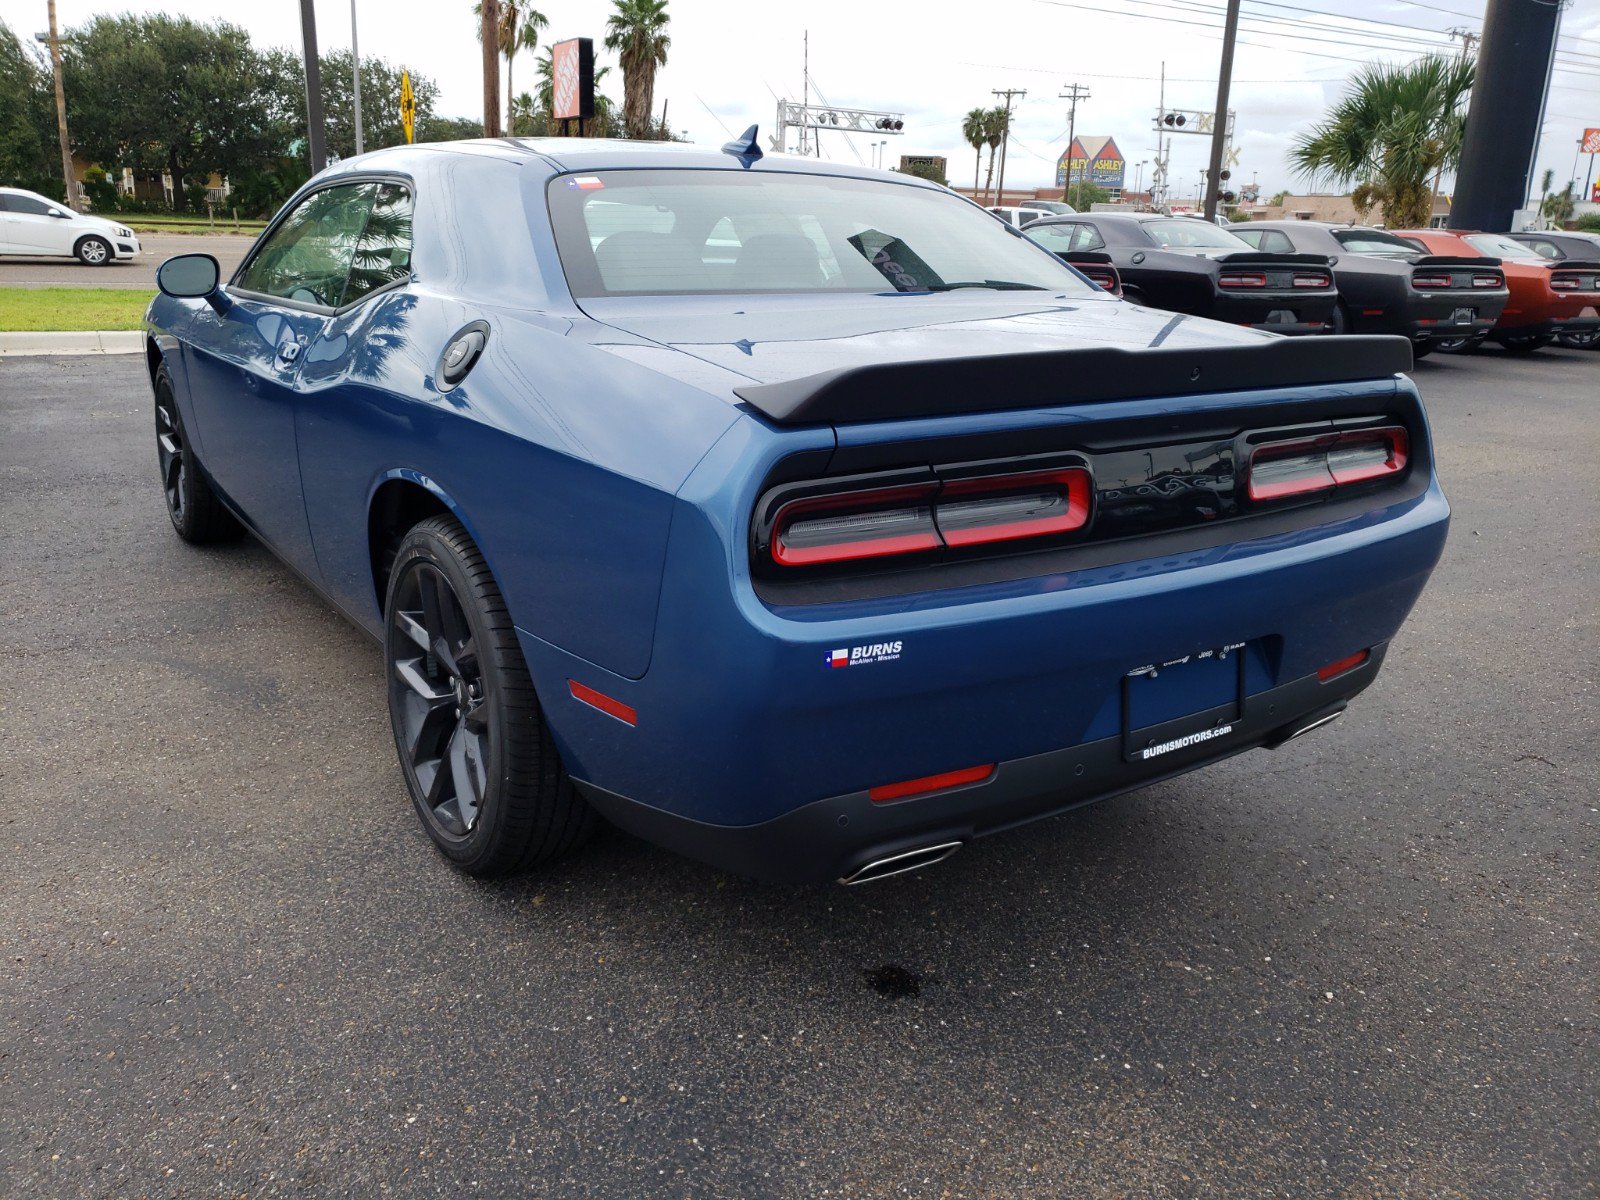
(192, 277)
(56, 212)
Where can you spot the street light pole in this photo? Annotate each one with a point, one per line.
(61, 113)
(314, 117)
(355, 71)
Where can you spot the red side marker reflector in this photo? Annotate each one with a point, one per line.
(1342, 665)
(929, 783)
(594, 699)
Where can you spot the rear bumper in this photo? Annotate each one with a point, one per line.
(1584, 323)
(836, 837)
(1312, 311)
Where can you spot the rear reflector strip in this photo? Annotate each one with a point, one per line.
(929, 783)
(603, 702)
(1304, 466)
(1342, 665)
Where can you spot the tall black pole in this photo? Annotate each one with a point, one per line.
(314, 118)
(1219, 129)
(1502, 137)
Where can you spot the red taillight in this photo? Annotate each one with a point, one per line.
(973, 512)
(594, 699)
(1423, 281)
(956, 513)
(871, 524)
(1488, 281)
(1104, 278)
(929, 783)
(1242, 279)
(1309, 279)
(1303, 466)
(1566, 283)
(1342, 665)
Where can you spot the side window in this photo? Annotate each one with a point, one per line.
(308, 256)
(383, 250)
(28, 205)
(1275, 241)
(1253, 236)
(1055, 238)
(1087, 237)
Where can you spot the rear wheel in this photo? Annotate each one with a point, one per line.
(478, 759)
(1339, 321)
(1588, 339)
(1457, 345)
(196, 513)
(93, 251)
(1525, 343)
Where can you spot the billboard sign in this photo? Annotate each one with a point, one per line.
(1093, 160)
(572, 79)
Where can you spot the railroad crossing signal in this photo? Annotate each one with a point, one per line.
(408, 106)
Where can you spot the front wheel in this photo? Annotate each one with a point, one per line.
(93, 251)
(477, 757)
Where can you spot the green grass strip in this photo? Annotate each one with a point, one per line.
(31, 310)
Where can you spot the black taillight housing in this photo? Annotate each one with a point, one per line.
(831, 522)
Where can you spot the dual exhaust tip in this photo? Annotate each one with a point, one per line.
(899, 864)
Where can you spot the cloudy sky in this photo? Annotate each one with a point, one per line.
(935, 59)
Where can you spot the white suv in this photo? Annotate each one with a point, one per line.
(36, 226)
(1031, 210)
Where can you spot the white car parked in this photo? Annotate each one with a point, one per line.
(36, 226)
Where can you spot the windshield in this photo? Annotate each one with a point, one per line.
(1496, 246)
(676, 232)
(1371, 241)
(1185, 232)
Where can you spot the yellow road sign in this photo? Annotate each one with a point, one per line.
(408, 106)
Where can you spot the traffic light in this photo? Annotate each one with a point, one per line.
(890, 123)
(1225, 175)
(1226, 197)
(1174, 119)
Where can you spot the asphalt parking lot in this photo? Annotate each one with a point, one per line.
(1360, 966)
(138, 274)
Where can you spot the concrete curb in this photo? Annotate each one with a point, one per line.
(104, 341)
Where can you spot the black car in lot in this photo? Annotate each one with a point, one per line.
(1567, 246)
(1386, 286)
(1191, 266)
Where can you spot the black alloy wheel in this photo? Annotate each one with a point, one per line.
(1339, 319)
(197, 515)
(478, 761)
(1588, 339)
(1526, 343)
(1465, 344)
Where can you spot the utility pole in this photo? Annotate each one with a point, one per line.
(1219, 129)
(314, 118)
(1005, 137)
(1072, 95)
(490, 31)
(805, 86)
(61, 113)
(1466, 37)
(355, 70)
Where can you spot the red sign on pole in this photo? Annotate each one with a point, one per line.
(572, 79)
(1591, 141)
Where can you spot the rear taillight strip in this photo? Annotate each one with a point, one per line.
(1425, 282)
(1242, 279)
(1303, 279)
(1305, 466)
(955, 513)
(1488, 281)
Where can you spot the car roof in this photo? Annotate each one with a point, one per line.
(562, 155)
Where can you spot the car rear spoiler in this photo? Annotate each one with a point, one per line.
(1254, 258)
(1452, 260)
(939, 387)
(1573, 264)
(1084, 256)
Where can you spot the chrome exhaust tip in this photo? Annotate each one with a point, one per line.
(1317, 724)
(899, 864)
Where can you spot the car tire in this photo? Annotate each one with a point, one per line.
(197, 515)
(93, 251)
(1525, 343)
(1339, 320)
(1134, 296)
(1457, 345)
(1587, 340)
(478, 759)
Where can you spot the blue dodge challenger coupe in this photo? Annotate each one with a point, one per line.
(804, 519)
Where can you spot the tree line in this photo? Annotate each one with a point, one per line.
(166, 94)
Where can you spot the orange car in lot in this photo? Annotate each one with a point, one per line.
(1548, 298)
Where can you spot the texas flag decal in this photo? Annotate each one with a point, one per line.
(839, 658)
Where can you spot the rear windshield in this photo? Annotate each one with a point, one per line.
(654, 233)
(1371, 241)
(1190, 231)
(1496, 246)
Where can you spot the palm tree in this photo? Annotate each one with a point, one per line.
(974, 129)
(637, 31)
(994, 132)
(1556, 208)
(519, 30)
(1396, 127)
